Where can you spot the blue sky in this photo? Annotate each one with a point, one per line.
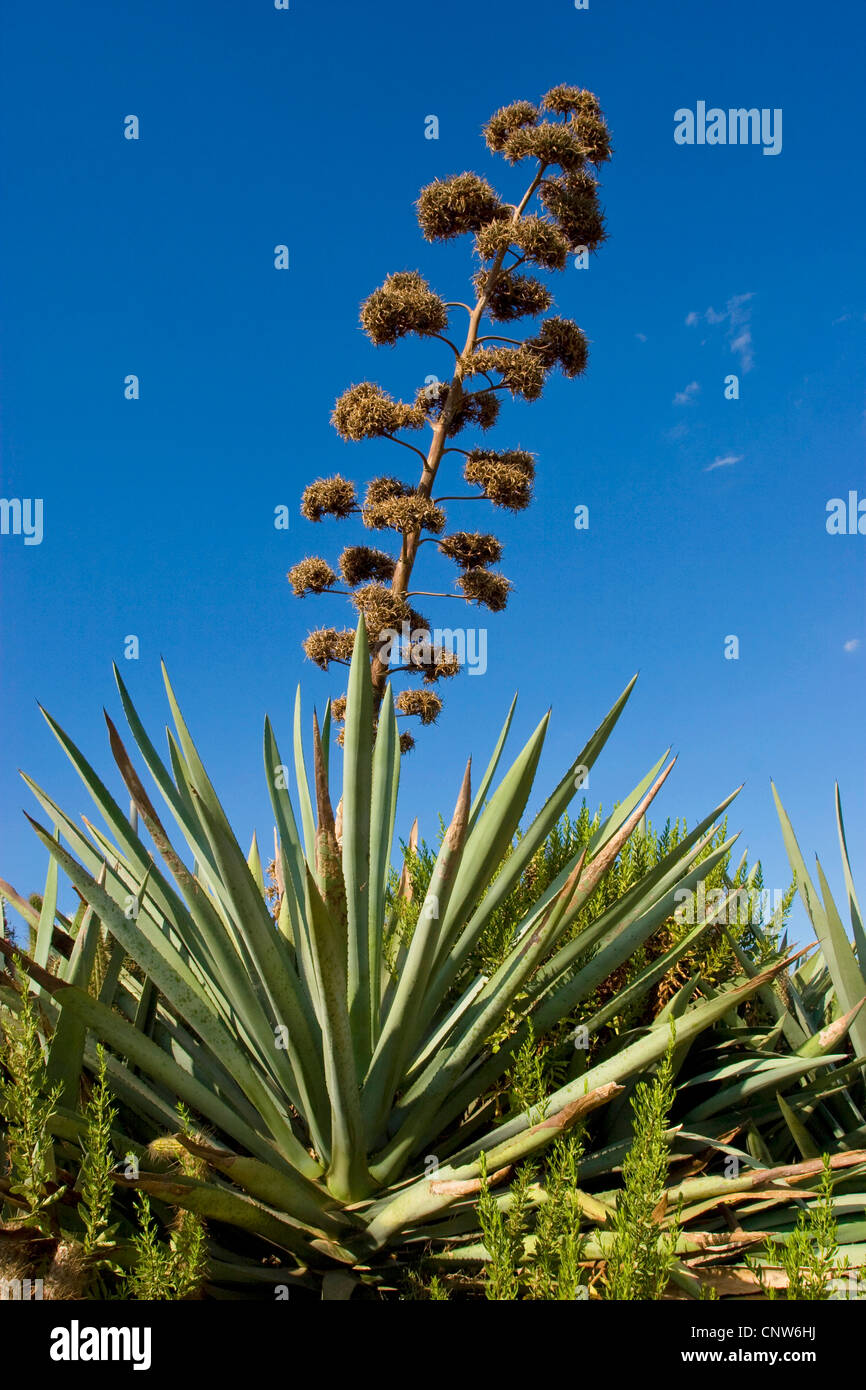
(306, 127)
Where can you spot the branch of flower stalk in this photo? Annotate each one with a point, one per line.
(406, 445)
(409, 549)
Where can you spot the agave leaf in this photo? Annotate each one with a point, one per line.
(220, 1203)
(144, 1053)
(254, 864)
(853, 905)
(507, 797)
(484, 852)
(799, 1133)
(731, 1097)
(292, 1011)
(347, 1176)
(47, 913)
(421, 1199)
(635, 1058)
(382, 815)
(668, 874)
(847, 977)
(364, 945)
(66, 1050)
(165, 966)
(300, 1199)
(828, 1038)
(398, 1034)
(854, 979)
(490, 771)
(304, 800)
(293, 854)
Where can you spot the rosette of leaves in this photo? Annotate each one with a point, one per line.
(323, 1070)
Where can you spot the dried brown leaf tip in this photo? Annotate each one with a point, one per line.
(463, 203)
(328, 497)
(422, 703)
(404, 304)
(311, 576)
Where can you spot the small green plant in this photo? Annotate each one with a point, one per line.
(641, 1254)
(26, 1106)
(528, 1082)
(503, 1233)
(809, 1259)
(175, 1269)
(95, 1182)
(555, 1272)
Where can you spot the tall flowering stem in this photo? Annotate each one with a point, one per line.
(564, 137)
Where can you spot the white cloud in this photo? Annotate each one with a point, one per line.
(687, 394)
(724, 461)
(737, 314)
(852, 645)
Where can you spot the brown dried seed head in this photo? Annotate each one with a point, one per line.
(463, 203)
(521, 368)
(512, 295)
(338, 709)
(367, 412)
(505, 477)
(359, 563)
(404, 304)
(422, 703)
(573, 202)
(328, 497)
(553, 142)
(479, 408)
(563, 101)
(484, 587)
(504, 122)
(561, 343)
(411, 512)
(407, 743)
(380, 607)
(311, 576)
(471, 549)
(326, 644)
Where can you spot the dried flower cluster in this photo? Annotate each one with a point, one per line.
(566, 138)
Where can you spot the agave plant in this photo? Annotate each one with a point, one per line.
(343, 1101)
